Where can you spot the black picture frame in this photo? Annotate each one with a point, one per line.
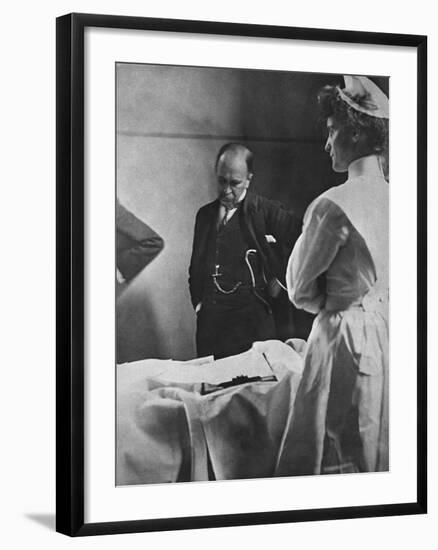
(70, 273)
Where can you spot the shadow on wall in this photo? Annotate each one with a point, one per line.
(153, 321)
(136, 310)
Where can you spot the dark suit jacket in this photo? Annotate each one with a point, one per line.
(258, 217)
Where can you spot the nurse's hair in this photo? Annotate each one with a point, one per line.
(375, 129)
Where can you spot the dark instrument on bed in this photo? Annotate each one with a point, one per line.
(236, 381)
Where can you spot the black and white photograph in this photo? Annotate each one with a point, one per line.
(252, 273)
(218, 258)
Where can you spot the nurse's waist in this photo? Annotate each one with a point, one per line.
(373, 300)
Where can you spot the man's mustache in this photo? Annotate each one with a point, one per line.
(228, 200)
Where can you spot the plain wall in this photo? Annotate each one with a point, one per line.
(171, 121)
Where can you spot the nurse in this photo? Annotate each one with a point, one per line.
(339, 270)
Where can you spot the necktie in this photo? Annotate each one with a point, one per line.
(224, 219)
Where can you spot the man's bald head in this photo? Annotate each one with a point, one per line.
(233, 173)
(233, 150)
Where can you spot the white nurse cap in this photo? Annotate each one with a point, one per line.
(361, 94)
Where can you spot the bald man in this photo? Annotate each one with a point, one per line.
(233, 259)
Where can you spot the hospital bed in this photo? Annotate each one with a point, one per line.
(203, 419)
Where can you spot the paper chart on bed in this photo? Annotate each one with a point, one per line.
(250, 363)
